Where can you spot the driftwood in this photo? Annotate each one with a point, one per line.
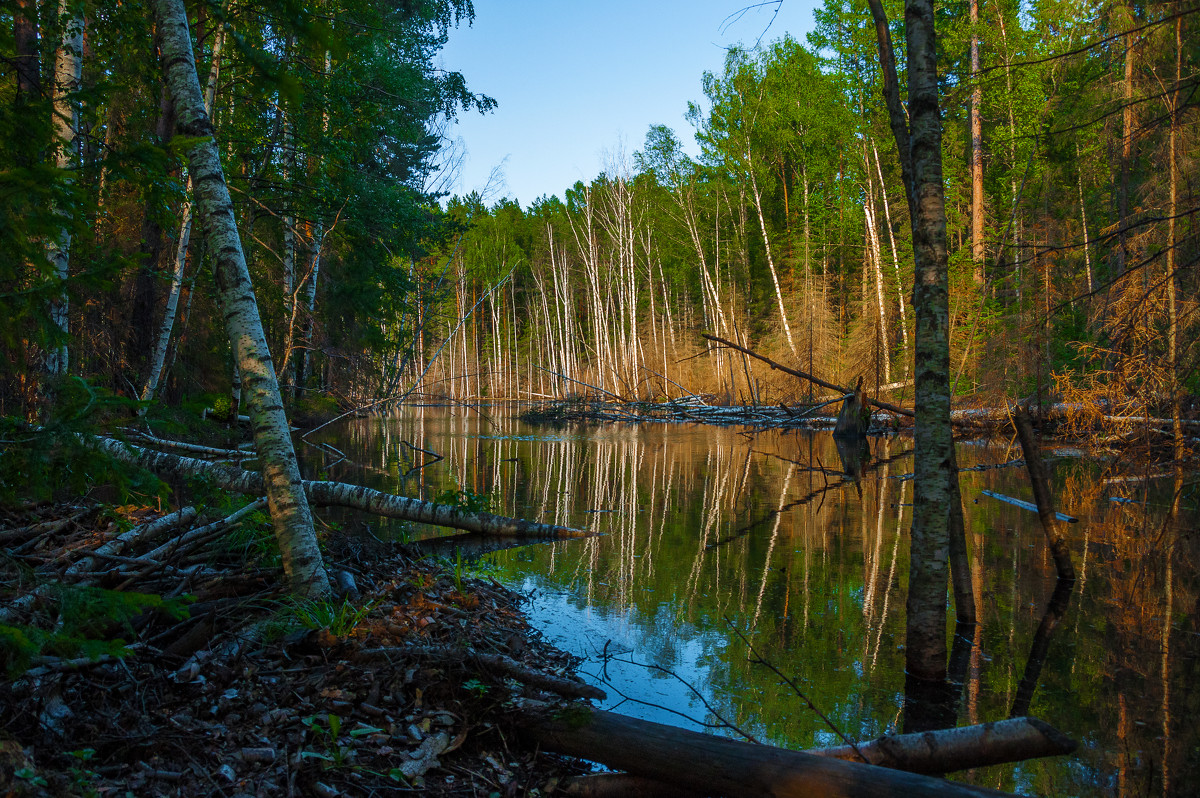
(1030, 506)
(494, 662)
(339, 494)
(1041, 493)
(709, 765)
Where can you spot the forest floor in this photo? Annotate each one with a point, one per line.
(396, 692)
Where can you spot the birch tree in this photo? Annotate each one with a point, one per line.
(290, 512)
(918, 137)
(159, 356)
(68, 76)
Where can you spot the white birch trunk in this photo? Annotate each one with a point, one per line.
(68, 77)
(887, 215)
(290, 512)
(787, 330)
(1087, 258)
(877, 259)
(150, 387)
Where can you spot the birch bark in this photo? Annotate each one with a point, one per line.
(159, 356)
(68, 76)
(935, 485)
(290, 512)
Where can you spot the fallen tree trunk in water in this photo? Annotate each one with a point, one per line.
(1030, 506)
(706, 765)
(805, 376)
(1040, 481)
(934, 752)
(338, 494)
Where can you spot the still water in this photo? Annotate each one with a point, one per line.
(722, 548)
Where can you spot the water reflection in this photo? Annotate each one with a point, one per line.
(804, 548)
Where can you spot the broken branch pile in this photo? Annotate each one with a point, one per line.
(245, 691)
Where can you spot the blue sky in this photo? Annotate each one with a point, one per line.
(579, 81)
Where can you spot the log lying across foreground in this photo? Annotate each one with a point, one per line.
(338, 494)
(701, 764)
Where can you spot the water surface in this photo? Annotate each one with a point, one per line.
(724, 549)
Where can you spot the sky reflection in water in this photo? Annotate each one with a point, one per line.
(707, 529)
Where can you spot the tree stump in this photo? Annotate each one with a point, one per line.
(855, 417)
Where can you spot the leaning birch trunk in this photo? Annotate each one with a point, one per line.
(887, 214)
(877, 261)
(235, 294)
(159, 357)
(338, 494)
(68, 76)
(762, 223)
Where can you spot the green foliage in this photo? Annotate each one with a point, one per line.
(222, 407)
(340, 618)
(40, 463)
(476, 687)
(337, 752)
(74, 621)
(465, 499)
(81, 776)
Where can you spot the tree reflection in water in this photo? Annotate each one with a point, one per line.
(702, 522)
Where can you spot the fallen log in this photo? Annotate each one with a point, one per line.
(1030, 506)
(806, 376)
(228, 454)
(143, 533)
(708, 765)
(1041, 493)
(934, 752)
(338, 494)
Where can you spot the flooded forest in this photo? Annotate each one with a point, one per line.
(843, 439)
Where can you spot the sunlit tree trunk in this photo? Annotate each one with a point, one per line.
(762, 223)
(976, 133)
(1012, 154)
(887, 215)
(1172, 244)
(290, 512)
(68, 78)
(876, 258)
(1127, 121)
(1087, 257)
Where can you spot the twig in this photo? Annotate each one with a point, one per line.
(759, 660)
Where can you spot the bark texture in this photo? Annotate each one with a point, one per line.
(159, 357)
(713, 765)
(919, 142)
(339, 494)
(68, 76)
(260, 389)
